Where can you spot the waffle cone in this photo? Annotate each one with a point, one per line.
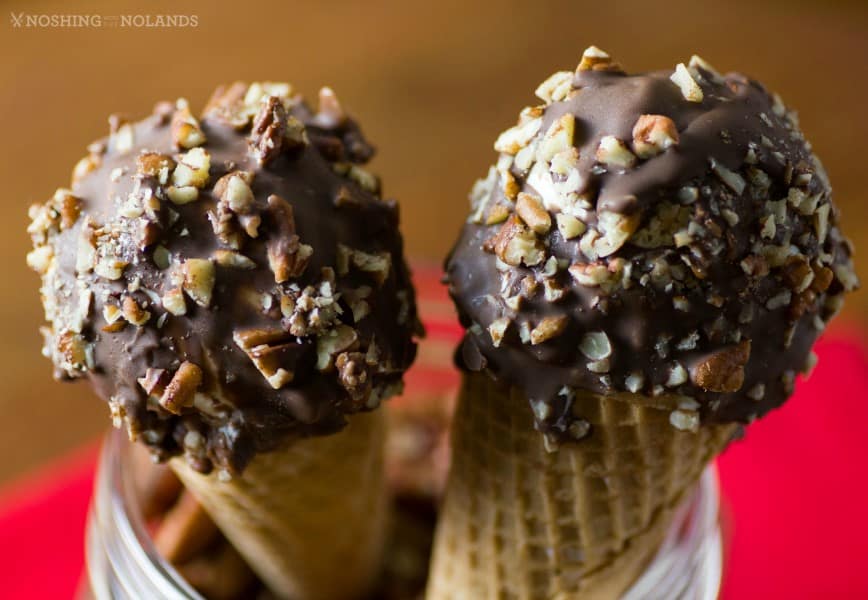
(309, 518)
(522, 523)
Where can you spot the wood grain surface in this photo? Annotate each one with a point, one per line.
(432, 83)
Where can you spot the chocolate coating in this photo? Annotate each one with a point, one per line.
(660, 233)
(228, 285)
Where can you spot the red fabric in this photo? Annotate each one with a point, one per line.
(795, 488)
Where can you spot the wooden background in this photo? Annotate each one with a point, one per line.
(433, 83)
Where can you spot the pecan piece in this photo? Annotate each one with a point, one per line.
(180, 391)
(274, 352)
(154, 382)
(236, 200)
(822, 279)
(227, 104)
(331, 114)
(377, 264)
(530, 208)
(186, 132)
(134, 313)
(69, 209)
(199, 280)
(548, 328)
(652, 134)
(154, 164)
(287, 256)
(72, 350)
(515, 244)
(269, 129)
(594, 59)
(353, 375)
(722, 371)
(797, 273)
(331, 343)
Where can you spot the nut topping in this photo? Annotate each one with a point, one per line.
(529, 207)
(186, 132)
(684, 80)
(273, 352)
(177, 234)
(515, 244)
(547, 329)
(614, 153)
(722, 371)
(653, 134)
(287, 256)
(594, 59)
(199, 277)
(269, 129)
(182, 388)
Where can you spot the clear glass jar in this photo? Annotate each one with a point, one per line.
(122, 562)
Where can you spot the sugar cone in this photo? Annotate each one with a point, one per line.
(522, 523)
(310, 518)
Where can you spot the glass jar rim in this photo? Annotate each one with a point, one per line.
(123, 562)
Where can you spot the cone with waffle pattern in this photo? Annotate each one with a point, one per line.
(645, 268)
(234, 286)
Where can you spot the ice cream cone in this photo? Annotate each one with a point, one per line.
(309, 518)
(522, 522)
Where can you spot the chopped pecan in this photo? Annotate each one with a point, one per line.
(569, 226)
(823, 277)
(555, 88)
(134, 313)
(148, 233)
(378, 264)
(687, 84)
(722, 371)
(227, 104)
(154, 382)
(72, 349)
(594, 59)
(755, 266)
(274, 352)
(797, 273)
(616, 229)
(182, 195)
(515, 244)
(186, 132)
(530, 208)
(233, 260)
(154, 164)
(269, 129)
(345, 197)
(547, 329)
(614, 153)
(331, 343)
(652, 134)
(287, 256)
(236, 198)
(192, 169)
(199, 279)
(498, 214)
(86, 165)
(121, 135)
(331, 114)
(112, 315)
(802, 303)
(69, 209)
(174, 303)
(353, 375)
(181, 390)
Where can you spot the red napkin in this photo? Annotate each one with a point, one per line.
(796, 488)
(796, 493)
